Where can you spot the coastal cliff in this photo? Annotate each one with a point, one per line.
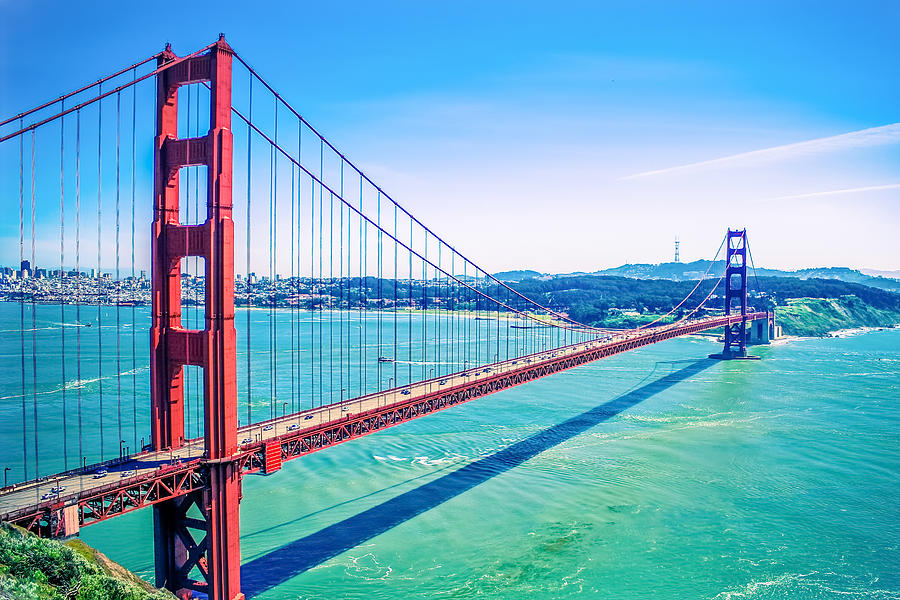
(41, 569)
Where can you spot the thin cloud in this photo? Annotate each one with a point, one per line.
(870, 188)
(875, 136)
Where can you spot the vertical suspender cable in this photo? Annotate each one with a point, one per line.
(409, 319)
(37, 471)
(292, 306)
(118, 282)
(313, 293)
(330, 298)
(249, 282)
(99, 280)
(62, 260)
(498, 325)
(321, 257)
(341, 284)
(363, 289)
(22, 299)
(396, 253)
(133, 315)
(299, 262)
(273, 287)
(425, 310)
(78, 277)
(437, 292)
(380, 292)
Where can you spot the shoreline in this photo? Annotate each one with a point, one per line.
(837, 333)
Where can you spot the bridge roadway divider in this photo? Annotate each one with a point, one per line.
(266, 455)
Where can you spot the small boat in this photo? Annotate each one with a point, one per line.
(385, 359)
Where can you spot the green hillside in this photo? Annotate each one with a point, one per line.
(818, 316)
(39, 569)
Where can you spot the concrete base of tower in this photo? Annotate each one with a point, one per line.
(733, 356)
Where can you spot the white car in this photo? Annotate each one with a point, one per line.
(100, 474)
(128, 473)
(246, 441)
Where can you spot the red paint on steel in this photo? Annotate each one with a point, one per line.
(213, 348)
(272, 456)
(223, 537)
(166, 377)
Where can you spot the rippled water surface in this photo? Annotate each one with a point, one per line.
(653, 474)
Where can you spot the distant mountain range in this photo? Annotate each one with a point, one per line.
(884, 280)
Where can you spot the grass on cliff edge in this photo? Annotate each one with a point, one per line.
(819, 316)
(41, 569)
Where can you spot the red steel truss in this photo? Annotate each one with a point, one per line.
(259, 457)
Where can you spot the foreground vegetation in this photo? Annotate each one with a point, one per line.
(40, 569)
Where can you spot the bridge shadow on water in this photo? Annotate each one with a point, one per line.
(281, 564)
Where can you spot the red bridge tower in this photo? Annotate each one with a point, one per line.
(209, 562)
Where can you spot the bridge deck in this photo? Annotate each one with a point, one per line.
(144, 479)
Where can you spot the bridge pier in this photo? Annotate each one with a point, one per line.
(761, 331)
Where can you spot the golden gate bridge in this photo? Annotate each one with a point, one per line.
(362, 318)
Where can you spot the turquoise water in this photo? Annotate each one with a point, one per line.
(651, 474)
(78, 377)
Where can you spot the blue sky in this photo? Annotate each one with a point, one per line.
(559, 136)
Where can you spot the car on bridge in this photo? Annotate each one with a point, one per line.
(293, 427)
(268, 428)
(100, 473)
(246, 441)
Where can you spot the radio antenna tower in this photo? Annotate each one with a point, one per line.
(677, 243)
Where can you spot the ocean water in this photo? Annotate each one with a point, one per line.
(655, 474)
